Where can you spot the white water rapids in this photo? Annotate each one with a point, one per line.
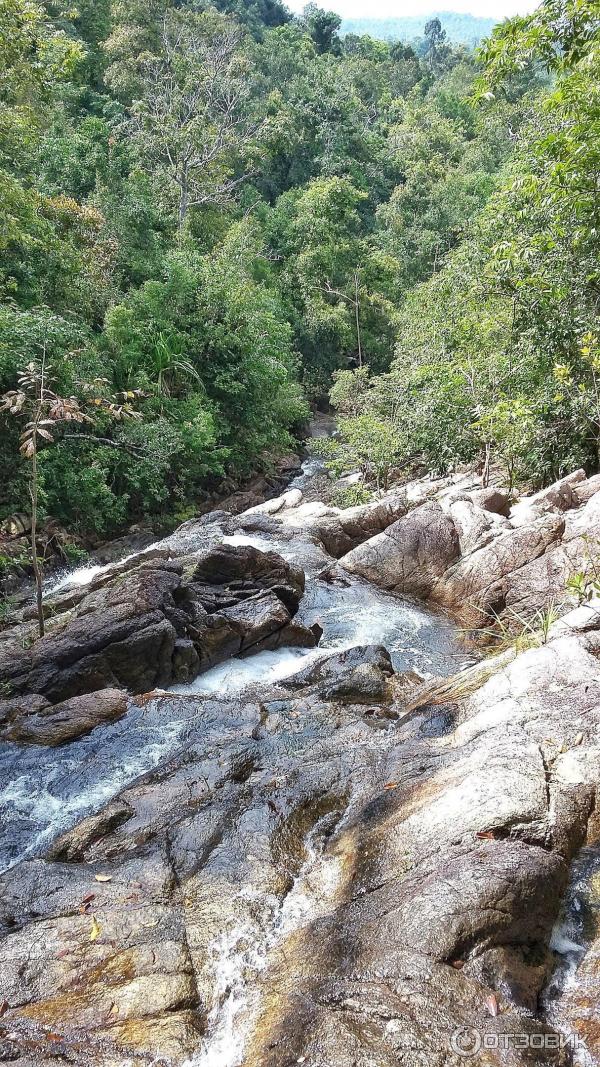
(241, 955)
(46, 791)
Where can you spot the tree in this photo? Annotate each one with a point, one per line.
(135, 35)
(191, 121)
(46, 412)
(436, 37)
(365, 442)
(323, 27)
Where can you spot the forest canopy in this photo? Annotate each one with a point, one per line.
(223, 210)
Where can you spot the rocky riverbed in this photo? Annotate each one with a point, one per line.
(262, 807)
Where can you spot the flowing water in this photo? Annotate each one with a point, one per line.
(241, 955)
(45, 791)
(572, 997)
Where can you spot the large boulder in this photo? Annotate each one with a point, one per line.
(475, 525)
(357, 675)
(159, 623)
(242, 569)
(58, 723)
(410, 555)
(476, 588)
(351, 527)
(120, 636)
(560, 496)
(492, 498)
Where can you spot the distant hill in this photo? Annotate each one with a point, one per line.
(461, 29)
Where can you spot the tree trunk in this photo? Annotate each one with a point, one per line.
(486, 466)
(357, 309)
(184, 198)
(37, 570)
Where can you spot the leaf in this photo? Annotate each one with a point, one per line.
(391, 785)
(491, 1004)
(4, 1006)
(88, 897)
(103, 877)
(486, 835)
(96, 929)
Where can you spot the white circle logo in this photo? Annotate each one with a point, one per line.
(465, 1042)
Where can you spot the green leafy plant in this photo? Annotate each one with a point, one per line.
(517, 631)
(47, 413)
(351, 496)
(74, 553)
(585, 584)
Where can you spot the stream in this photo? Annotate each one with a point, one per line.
(45, 791)
(573, 992)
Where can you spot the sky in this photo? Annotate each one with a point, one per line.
(397, 8)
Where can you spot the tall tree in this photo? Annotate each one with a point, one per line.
(323, 27)
(192, 122)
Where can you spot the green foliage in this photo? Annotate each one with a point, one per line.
(323, 27)
(517, 631)
(228, 209)
(352, 496)
(497, 355)
(585, 585)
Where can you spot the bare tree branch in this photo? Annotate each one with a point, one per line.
(105, 441)
(192, 120)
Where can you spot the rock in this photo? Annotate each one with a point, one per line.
(505, 566)
(477, 587)
(560, 496)
(492, 499)
(20, 706)
(292, 498)
(71, 847)
(431, 864)
(266, 507)
(147, 627)
(136, 540)
(295, 635)
(357, 675)
(380, 874)
(120, 637)
(257, 618)
(245, 567)
(58, 723)
(186, 661)
(410, 555)
(473, 525)
(584, 491)
(340, 531)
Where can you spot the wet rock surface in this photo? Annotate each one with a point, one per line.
(47, 724)
(341, 864)
(157, 623)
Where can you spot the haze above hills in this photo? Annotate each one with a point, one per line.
(461, 28)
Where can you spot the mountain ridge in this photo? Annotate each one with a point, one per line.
(460, 28)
